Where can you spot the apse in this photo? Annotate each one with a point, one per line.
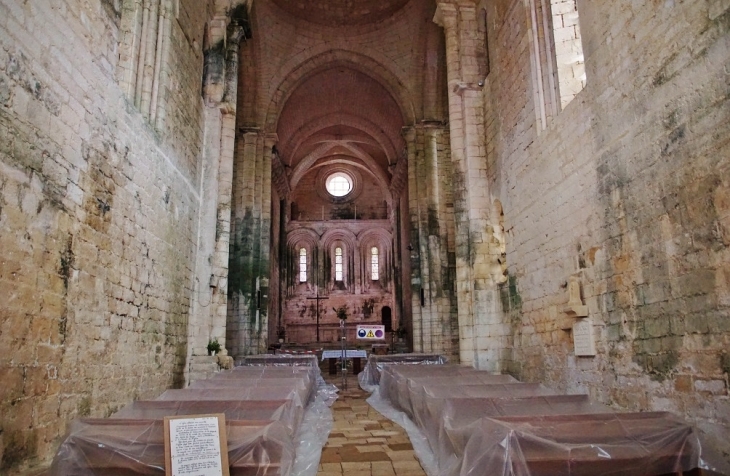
(339, 139)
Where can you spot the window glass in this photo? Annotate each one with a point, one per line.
(302, 265)
(374, 269)
(338, 184)
(338, 264)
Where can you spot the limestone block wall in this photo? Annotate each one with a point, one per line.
(98, 218)
(627, 190)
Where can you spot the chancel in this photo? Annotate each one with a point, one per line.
(535, 189)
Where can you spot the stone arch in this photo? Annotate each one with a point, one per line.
(324, 150)
(360, 123)
(383, 240)
(308, 63)
(339, 234)
(347, 239)
(296, 239)
(303, 235)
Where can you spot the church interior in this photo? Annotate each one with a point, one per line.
(533, 188)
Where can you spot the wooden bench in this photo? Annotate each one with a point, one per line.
(120, 447)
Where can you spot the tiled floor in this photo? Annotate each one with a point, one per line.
(363, 442)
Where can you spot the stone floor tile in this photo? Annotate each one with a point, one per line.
(398, 456)
(356, 466)
(365, 443)
(331, 466)
(410, 465)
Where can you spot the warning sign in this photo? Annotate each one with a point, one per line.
(370, 332)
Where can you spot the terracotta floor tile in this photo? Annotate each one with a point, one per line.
(363, 442)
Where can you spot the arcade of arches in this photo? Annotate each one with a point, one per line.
(485, 174)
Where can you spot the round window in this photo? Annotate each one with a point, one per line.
(339, 184)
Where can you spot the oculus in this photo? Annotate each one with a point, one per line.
(338, 184)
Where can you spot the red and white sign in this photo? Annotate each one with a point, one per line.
(370, 332)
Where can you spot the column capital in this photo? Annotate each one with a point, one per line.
(432, 125)
(271, 138)
(408, 132)
(446, 11)
(445, 15)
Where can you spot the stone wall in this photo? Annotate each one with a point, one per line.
(627, 190)
(310, 203)
(98, 212)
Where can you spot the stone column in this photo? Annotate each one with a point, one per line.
(479, 317)
(432, 225)
(247, 328)
(414, 245)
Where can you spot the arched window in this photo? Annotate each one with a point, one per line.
(302, 265)
(338, 264)
(374, 269)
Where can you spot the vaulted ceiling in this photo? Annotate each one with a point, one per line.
(341, 12)
(340, 115)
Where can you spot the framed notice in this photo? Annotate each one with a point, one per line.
(196, 445)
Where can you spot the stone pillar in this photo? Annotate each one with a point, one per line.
(480, 330)
(247, 328)
(432, 239)
(414, 245)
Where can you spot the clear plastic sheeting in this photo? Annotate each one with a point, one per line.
(370, 376)
(114, 447)
(234, 394)
(615, 444)
(303, 386)
(401, 385)
(279, 360)
(269, 425)
(446, 418)
(285, 412)
(481, 385)
(314, 431)
(475, 423)
(262, 372)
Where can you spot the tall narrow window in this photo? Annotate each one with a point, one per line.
(374, 268)
(338, 264)
(483, 46)
(302, 265)
(568, 49)
(556, 53)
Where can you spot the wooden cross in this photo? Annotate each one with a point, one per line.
(318, 298)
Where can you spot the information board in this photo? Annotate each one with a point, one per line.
(196, 445)
(370, 332)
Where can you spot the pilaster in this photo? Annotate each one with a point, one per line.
(475, 289)
(432, 226)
